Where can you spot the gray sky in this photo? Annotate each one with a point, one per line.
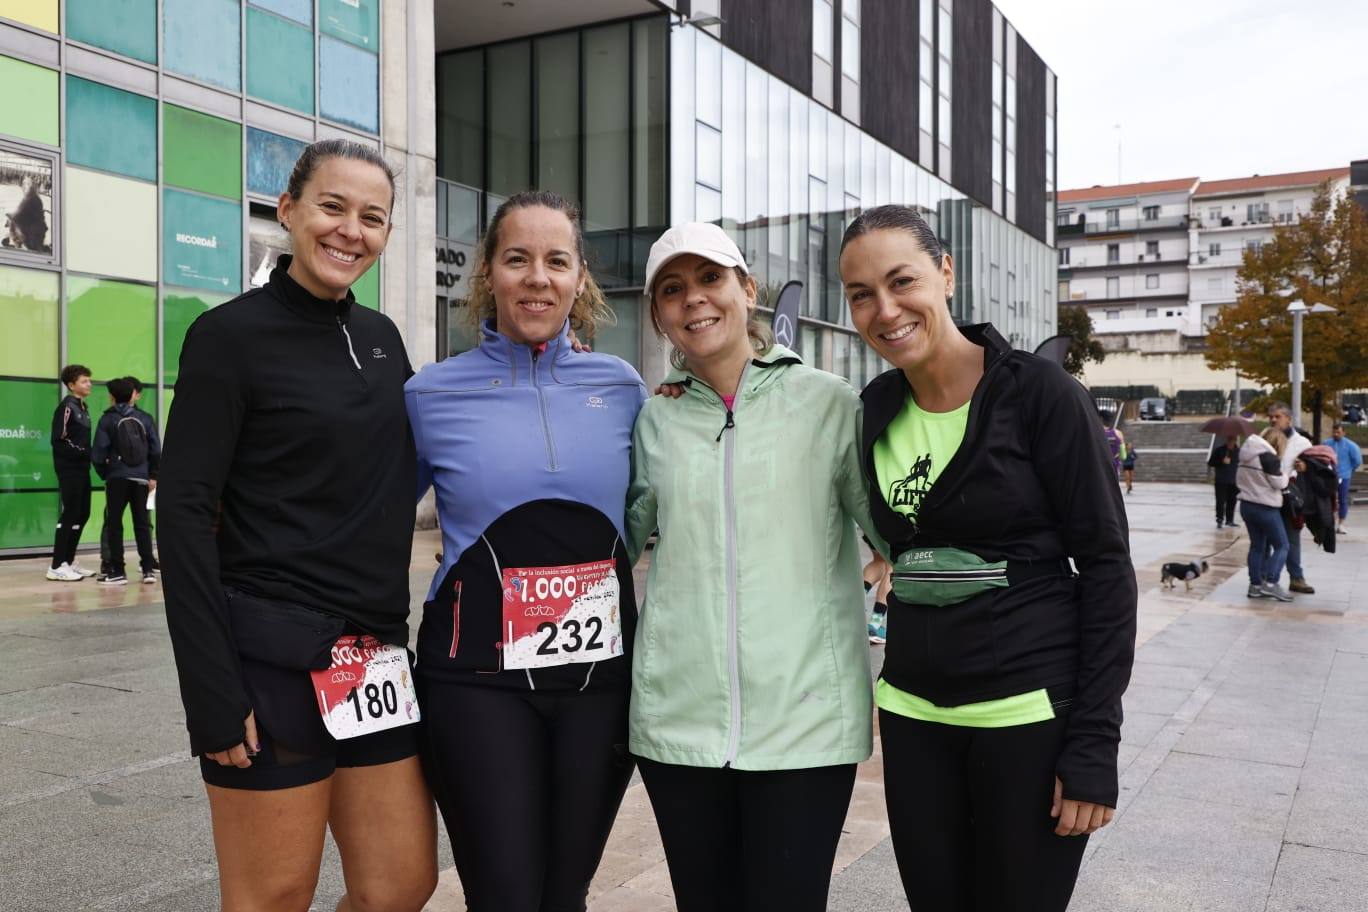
(1205, 88)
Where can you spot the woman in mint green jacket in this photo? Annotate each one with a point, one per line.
(751, 695)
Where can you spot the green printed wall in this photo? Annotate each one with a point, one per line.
(154, 210)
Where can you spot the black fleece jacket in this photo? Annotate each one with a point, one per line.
(288, 474)
(1031, 483)
(71, 437)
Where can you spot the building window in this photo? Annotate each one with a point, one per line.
(1214, 213)
(926, 96)
(850, 60)
(1254, 246)
(1214, 249)
(1285, 211)
(1256, 213)
(823, 52)
(1113, 254)
(1009, 127)
(944, 44)
(1113, 218)
(1152, 250)
(1113, 315)
(1151, 311)
(1113, 286)
(1151, 213)
(997, 114)
(1063, 256)
(1152, 280)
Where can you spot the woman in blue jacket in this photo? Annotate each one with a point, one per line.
(523, 649)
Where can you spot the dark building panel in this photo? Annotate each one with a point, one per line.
(971, 101)
(776, 34)
(888, 73)
(1030, 151)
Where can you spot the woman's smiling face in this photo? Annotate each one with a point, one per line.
(703, 308)
(535, 274)
(897, 295)
(338, 226)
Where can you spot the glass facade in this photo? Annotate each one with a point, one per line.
(147, 201)
(586, 113)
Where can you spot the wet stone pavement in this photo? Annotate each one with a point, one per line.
(1244, 752)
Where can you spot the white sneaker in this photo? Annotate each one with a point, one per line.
(64, 574)
(85, 574)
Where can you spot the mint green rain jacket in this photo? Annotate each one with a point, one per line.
(751, 650)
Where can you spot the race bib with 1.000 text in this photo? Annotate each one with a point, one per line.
(367, 689)
(561, 615)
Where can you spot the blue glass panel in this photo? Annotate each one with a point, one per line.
(201, 242)
(127, 27)
(280, 64)
(298, 10)
(203, 40)
(270, 159)
(349, 81)
(96, 112)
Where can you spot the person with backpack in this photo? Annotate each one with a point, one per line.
(126, 455)
(71, 460)
(106, 551)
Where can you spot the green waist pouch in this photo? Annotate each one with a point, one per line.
(945, 576)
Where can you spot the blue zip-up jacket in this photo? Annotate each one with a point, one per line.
(1348, 456)
(530, 455)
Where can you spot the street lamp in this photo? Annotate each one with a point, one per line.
(1296, 372)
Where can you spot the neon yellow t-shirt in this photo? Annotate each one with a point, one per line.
(908, 458)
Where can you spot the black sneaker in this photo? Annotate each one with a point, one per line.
(113, 579)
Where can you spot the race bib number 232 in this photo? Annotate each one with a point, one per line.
(561, 615)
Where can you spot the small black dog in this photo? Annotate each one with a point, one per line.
(1186, 572)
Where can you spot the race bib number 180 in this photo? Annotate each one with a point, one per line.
(367, 689)
(561, 615)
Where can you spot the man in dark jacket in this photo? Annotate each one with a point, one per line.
(1225, 459)
(107, 562)
(71, 460)
(127, 453)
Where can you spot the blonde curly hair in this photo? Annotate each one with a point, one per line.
(588, 312)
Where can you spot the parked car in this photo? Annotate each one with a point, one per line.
(1154, 408)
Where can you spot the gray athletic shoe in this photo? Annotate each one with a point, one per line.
(1257, 592)
(1274, 591)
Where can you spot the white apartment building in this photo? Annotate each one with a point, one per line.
(1154, 262)
(1230, 216)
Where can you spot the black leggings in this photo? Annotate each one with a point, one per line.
(1225, 502)
(739, 840)
(529, 784)
(970, 813)
(74, 491)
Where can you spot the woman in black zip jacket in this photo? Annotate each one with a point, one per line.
(1000, 696)
(286, 502)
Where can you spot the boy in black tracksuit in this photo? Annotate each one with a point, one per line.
(1225, 459)
(107, 563)
(127, 483)
(71, 460)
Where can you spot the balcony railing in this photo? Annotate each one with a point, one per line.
(1144, 259)
(1115, 226)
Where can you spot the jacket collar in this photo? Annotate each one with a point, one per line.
(499, 348)
(758, 372)
(300, 301)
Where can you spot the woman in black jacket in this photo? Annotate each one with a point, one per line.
(286, 502)
(1000, 696)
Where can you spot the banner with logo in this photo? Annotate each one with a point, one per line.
(25, 422)
(201, 242)
(785, 323)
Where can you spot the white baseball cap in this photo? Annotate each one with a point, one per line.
(700, 238)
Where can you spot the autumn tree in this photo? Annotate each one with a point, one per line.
(1321, 259)
(1075, 323)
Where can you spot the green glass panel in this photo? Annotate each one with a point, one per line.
(97, 112)
(127, 27)
(25, 426)
(27, 520)
(280, 61)
(367, 288)
(28, 103)
(200, 152)
(354, 21)
(28, 313)
(112, 329)
(180, 308)
(201, 242)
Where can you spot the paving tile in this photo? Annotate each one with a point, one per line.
(1108, 884)
(1260, 743)
(1331, 805)
(1241, 783)
(1166, 675)
(1235, 706)
(1150, 698)
(1311, 879)
(1141, 727)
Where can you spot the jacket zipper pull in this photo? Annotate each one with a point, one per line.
(730, 424)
